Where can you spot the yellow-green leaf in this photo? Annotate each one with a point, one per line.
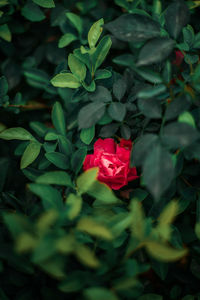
(77, 67)
(90, 226)
(169, 213)
(164, 252)
(87, 179)
(30, 154)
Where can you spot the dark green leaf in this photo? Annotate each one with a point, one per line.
(134, 28)
(101, 94)
(90, 114)
(119, 89)
(117, 111)
(141, 148)
(3, 86)
(155, 51)
(78, 158)
(157, 163)
(51, 198)
(45, 3)
(58, 159)
(151, 108)
(179, 135)
(32, 12)
(55, 177)
(87, 135)
(176, 107)
(58, 118)
(176, 16)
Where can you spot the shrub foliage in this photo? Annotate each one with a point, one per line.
(73, 72)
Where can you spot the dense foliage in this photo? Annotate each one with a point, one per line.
(73, 72)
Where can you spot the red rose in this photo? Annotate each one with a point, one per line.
(179, 58)
(113, 161)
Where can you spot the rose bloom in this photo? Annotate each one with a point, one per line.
(179, 58)
(113, 162)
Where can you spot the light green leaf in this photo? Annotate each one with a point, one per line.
(101, 52)
(74, 205)
(66, 39)
(95, 32)
(91, 227)
(187, 117)
(16, 133)
(30, 154)
(65, 80)
(86, 179)
(77, 67)
(169, 213)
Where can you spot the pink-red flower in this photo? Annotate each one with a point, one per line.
(179, 58)
(113, 161)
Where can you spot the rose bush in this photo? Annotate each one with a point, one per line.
(113, 161)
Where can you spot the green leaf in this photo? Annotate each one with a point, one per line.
(169, 213)
(134, 28)
(117, 111)
(101, 94)
(45, 3)
(58, 159)
(157, 163)
(95, 32)
(32, 12)
(51, 198)
(101, 52)
(150, 92)
(76, 21)
(138, 221)
(176, 16)
(3, 86)
(150, 297)
(187, 117)
(90, 114)
(66, 39)
(179, 135)
(176, 107)
(141, 149)
(103, 193)
(65, 145)
(149, 75)
(86, 256)
(155, 51)
(99, 293)
(78, 158)
(163, 252)
(16, 133)
(30, 154)
(151, 108)
(55, 177)
(74, 206)
(87, 179)
(119, 89)
(5, 33)
(102, 74)
(58, 118)
(65, 80)
(77, 67)
(90, 226)
(197, 230)
(87, 135)
(51, 136)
